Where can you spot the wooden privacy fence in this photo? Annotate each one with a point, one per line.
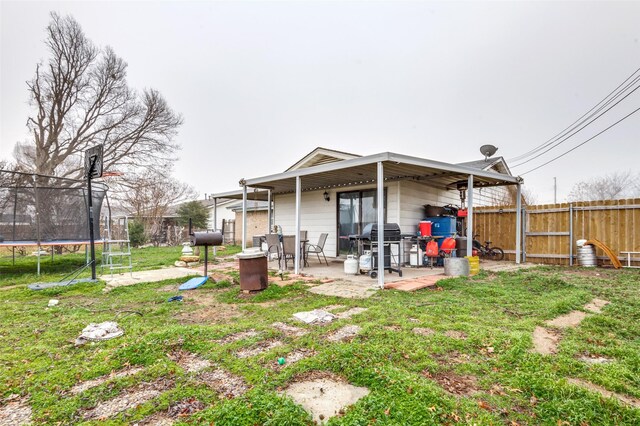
(551, 230)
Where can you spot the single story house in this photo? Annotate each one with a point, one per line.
(335, 192)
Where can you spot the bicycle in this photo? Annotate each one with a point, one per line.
(486, 251)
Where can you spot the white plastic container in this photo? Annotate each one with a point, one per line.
(351, 265)
(366, 261)
(415, 256)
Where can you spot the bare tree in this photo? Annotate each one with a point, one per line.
(81, 98)
(149, 197)
(613, 186)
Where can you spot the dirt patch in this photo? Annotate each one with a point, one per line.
(596, 305)
(572, 319)
(625, 399)
(414, 320)
(545, 341)
(258, 349)
(15, 413)
(211, 312)
(454, 383)
(292, 358)
(594, 360)
(332, 307)
(423, 331)
(351, 312)
(241, 335)
(11, 287)
(452, 358)
(454, 334)
(392, 328)
(191, 363)
(185, 408)
(86, 385)
(325, 398)
(158, 419)
(130, 399)
(227, 385)
(345, 333)
(289, 330)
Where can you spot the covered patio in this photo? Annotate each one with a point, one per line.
(375, 171)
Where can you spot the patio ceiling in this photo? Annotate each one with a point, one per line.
(363, 170)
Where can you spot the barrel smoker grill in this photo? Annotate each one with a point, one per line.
(205, 239)
(369, 241)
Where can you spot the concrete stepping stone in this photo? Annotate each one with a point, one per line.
(545, 341)
(325, 398)
(317, 316)
(625, 399)
(345, 289)
(225, 384)
(351, 312)
(344, 333)
(258, 349)
(289, 330)
(86, 385)
(15, 413)
(595, 360)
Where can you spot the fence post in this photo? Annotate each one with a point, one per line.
(570, 234)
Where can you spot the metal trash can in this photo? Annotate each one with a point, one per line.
(253, 270)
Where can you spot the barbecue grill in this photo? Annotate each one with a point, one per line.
(368, 240)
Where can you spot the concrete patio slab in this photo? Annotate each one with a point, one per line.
(127, 279)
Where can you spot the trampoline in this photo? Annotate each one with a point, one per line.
(46, 211)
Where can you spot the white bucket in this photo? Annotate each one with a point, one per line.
(351, 265)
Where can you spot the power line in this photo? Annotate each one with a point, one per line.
(572, 134)
(582, 118)
(579, 145)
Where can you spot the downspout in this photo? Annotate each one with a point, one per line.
(215, 223)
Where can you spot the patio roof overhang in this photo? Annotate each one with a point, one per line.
(363, 171)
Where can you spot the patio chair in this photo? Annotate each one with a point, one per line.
(273, 245)
(319, 248)
(288, 248)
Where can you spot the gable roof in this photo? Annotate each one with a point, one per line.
(321, 156)
(497, 164)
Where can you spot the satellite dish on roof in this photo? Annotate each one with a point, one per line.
(488, 151)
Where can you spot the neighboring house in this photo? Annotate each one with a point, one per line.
(338, 191)
(257, 218)
(221, 212)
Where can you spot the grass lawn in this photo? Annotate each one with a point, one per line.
(461, 354)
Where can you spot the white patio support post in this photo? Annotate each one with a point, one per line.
(518, 223)
(215, 223)
(470, 216)
(296, 261)
(380, 211)
(244, 217)
(268, 211)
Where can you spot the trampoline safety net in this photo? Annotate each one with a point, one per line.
(42, 208)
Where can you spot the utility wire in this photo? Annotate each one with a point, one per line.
(582, 118)
(579, 145)
(575, 132)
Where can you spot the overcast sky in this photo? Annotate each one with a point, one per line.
(261, 84)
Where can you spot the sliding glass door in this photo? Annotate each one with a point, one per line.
(356, 209)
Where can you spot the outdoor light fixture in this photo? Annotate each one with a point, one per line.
(326, 196)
